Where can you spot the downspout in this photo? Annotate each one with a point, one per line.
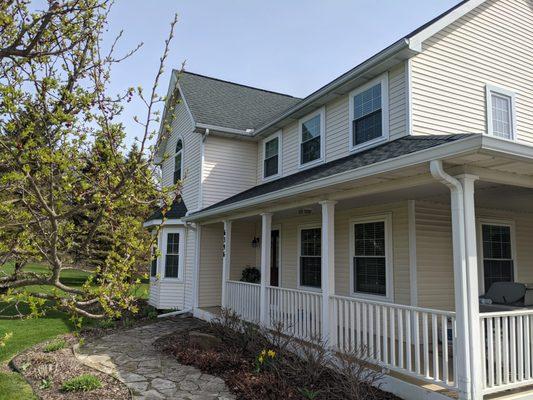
(460, 277)
(171, 314)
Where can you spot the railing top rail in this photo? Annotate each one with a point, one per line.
(243, 283)
(295, 290)
(509, 313)
(395, 305)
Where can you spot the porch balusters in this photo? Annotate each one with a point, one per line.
(266, 228)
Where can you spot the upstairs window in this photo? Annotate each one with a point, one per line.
(271, 156)
(178, 161)
(369, 114)
(500, 113)
(312, 138)
(310, 257)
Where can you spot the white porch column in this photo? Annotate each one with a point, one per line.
(266, 228)
(467, 182)
(328, 268)
(226, 261)
(464, 372)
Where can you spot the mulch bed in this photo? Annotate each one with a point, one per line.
(60, 366)
(233, 357)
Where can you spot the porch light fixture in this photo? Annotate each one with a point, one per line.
(255, 242)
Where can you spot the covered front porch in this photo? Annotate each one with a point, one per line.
(391, 267)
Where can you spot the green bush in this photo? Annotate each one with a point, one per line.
(55, 346)
(251, 275)
(82, 383)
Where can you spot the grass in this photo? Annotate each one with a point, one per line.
(28, 332)
(14, 387)
(82, 383)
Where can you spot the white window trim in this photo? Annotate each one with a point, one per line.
(158, 261)
(298, 254)
(322, 112)
(389, 270)
(280, 266)
(479, 232)
(384, 80)
(165, 232)
(263, 144)
(491, 89)
(181, 161)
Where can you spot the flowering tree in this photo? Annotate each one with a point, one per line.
(73, 194)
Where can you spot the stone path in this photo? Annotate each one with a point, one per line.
(131, 357)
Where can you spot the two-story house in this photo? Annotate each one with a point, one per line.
(378, 208)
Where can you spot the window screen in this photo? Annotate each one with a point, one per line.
(172, 255)
(501, 116)
(367, 123)
(271, 157)
(310, 146)
(310, 257)
(498, 262)
(369, 261)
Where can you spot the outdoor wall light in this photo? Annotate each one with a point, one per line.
(256, 242)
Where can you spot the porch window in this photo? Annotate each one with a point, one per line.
(172, 256)
(500, 113)
(310, 257)
(370, 258)
(271, 157)
(368, 113)
(498, 264)
(311, 138)
(178, 161)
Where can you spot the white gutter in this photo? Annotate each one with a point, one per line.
(242, 132)
(460, 277)
(455, 148)
(173, 313)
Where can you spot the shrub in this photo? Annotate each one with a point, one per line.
(251, 275)
(82, 383)
(106, 323)
(55, 346)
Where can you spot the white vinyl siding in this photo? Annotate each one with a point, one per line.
(210, 273)
(229, 168)
(337, 138)
(493, 43)
(182, 129)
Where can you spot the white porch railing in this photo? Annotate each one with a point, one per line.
(244, 299)
(507, 350)
(414, 341)
(296, 311)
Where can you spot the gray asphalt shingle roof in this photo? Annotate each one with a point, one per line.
(387, 151)
(176, 211)
(230, 105)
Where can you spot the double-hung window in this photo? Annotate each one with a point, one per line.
(172, 255)
(498, 263)
(310, 257)
(370, 263)
(312, 138)
(153, 263)
(178, 161)
(501, 121)
(271, 156)
(369, 113)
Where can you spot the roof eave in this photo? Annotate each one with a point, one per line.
(367, 70)
(453, 149)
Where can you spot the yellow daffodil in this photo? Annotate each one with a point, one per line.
(271, 353)
(260, 359)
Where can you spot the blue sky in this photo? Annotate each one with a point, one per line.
(289, 46)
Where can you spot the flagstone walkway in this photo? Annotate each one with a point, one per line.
(131, 357)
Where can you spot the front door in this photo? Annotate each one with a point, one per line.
(274, 258)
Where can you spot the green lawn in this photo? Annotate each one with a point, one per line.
(28, 332)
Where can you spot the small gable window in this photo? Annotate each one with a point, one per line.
(369, 114)
(501, 113)
(271, 156)
(312, 138)
(178, 161)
